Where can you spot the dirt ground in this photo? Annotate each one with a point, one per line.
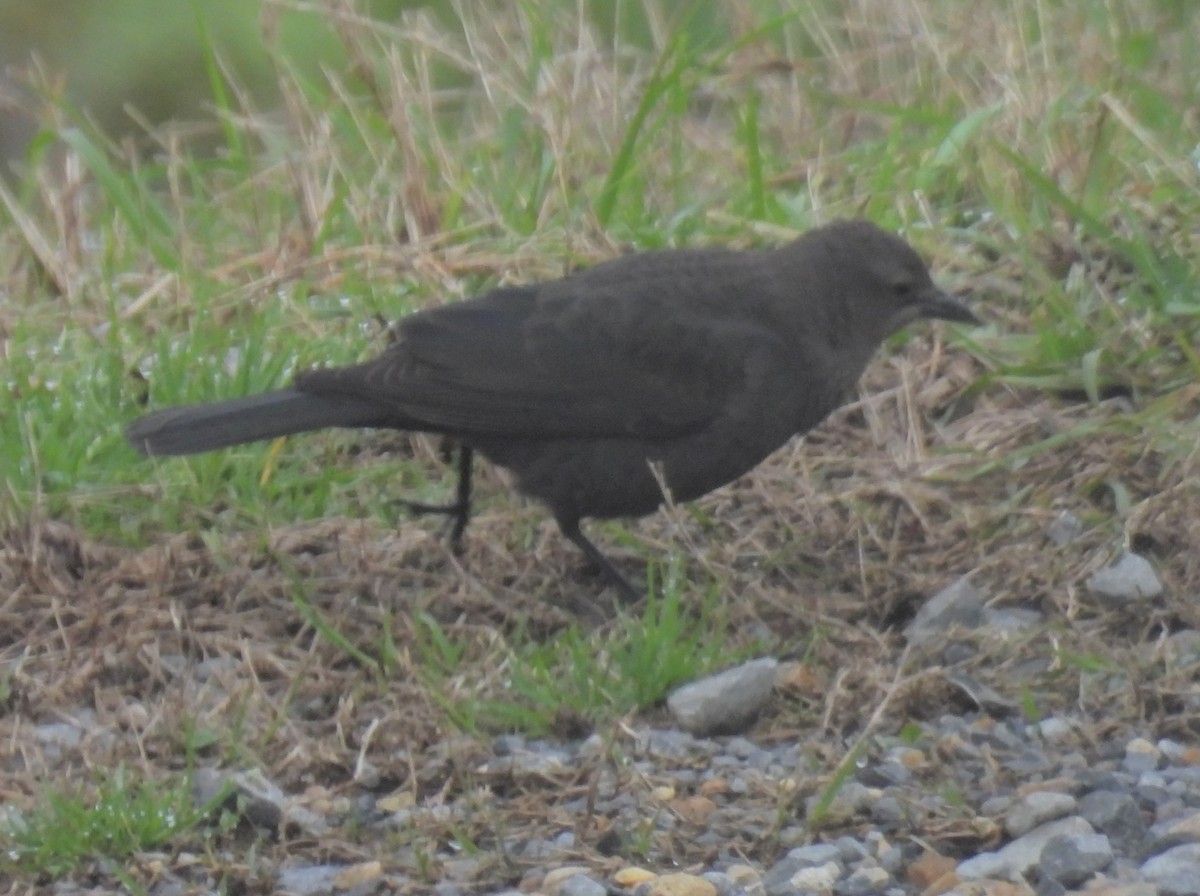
(830, 546)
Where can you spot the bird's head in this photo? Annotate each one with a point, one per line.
(892, 286)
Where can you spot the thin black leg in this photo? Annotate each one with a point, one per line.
(462, 501)
(628, 594)
(460, 510)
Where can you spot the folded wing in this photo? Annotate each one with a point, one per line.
(532, 362)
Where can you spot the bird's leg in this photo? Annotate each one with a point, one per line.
(570, 528)
(460, 510)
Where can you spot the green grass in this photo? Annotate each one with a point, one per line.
(108, 822)
(276, 252)
(631, 665)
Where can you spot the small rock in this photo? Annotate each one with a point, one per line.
(1048, 886)
(1130, 579)
(1010, 620)
(632, 876)
(58, 734)
(891, 859)
(1033, 809)
(582, 885)
(815, 877)
(1054, 730)
(887, 812)
(815, 854)
(888, 773)
(802, 868)
(724, 703)
(1064, 529)
(722, 882)
(507, 744)
(1022, 854)
(681, 885)
(1176, 871)
(1183, 647)
(1140, 756)
(1072, 859)
(851, 849)
(960, 603)
(552, 883)
(1180, 829)
(744, 876)
(309, 880)
(1173, 750)
(864, 881)
(1116, 815)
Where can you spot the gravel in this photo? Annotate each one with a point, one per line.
(1123, 815)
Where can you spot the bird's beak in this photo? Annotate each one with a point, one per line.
(939, 305)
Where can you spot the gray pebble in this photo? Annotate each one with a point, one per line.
(888, 773)
(984, 866)
(721, 882)
(1054, 730)
(1033, 809)
(1184, 646)
(725, 702)
(887, 812)
(1131, 578)
(863, 881)
(1117, 816)
(1126, 812)
(1023, 853)
(1064, 528)
(1072, 859)
(58, 734)
(851, 849)
(309, 880)
(1152, 790)
(787, 879)
(1171, 749)
(1176, 871)
(891, 859)
(1002, 621)
(507, 744)
(815, 854)
(1048, 886)
(960, 603)
(582, 885)
(1140, 756)
(1180, 828)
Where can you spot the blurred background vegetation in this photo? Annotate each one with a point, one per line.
(127, 64)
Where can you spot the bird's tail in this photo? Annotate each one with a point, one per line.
(193, 428)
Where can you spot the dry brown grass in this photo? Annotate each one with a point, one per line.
(832, 544)
(936, 471)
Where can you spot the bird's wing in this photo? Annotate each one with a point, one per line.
(524, 362)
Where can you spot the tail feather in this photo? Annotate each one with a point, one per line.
(190, 429)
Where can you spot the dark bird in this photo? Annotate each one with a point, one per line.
(678, 369)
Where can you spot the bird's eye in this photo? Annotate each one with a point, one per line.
(902, 288)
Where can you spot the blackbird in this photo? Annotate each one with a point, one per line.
(656, 374)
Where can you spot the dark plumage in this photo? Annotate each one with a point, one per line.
(700, 361)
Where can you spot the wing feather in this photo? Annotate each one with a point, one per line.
(555, 361)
